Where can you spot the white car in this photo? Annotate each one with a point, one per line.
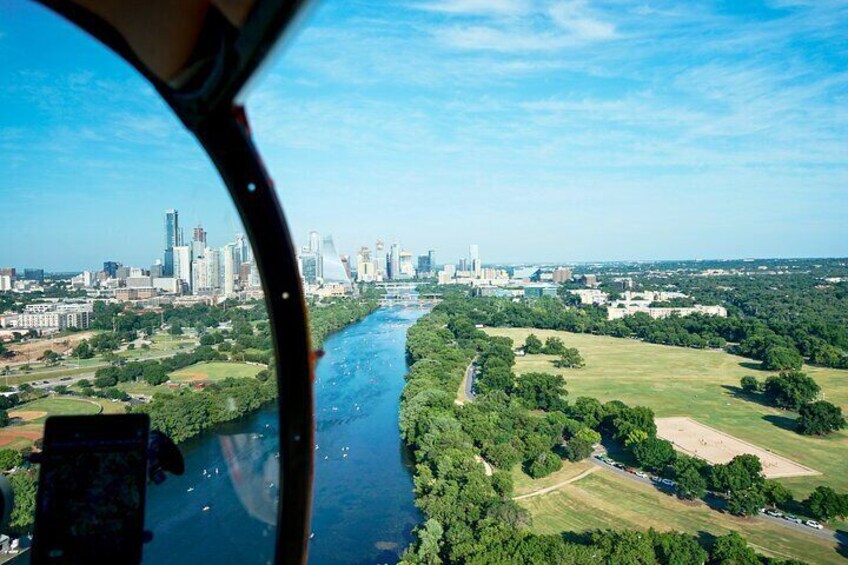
(775, 513)
(814, 524)
(641, 475)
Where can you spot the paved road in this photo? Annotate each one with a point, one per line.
(72, 379)
(716, 504)
(470, 375)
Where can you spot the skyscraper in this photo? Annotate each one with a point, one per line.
(315, 248)
(380, 259)
(172, 239)
(394, 259)
(229, 267)
(432, 255)
(111, 268)
(181, 255)
(332, 268)
(474, 253)
(199, 234)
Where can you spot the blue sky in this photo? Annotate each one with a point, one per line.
(542, 131)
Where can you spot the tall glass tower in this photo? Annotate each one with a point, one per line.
(172, 239)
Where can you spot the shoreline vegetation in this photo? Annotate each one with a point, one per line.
(185, 413)
(519, 422)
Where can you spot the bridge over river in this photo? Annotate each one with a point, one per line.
(406, 294)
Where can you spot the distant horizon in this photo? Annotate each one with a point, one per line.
(20, 270)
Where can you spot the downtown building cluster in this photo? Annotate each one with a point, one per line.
(190, 271)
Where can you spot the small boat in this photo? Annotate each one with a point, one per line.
(216, 471)
(206, 508)
(311, 535)
(190, 489)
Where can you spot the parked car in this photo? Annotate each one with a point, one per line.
(814, 524)
(642, 475)
(668, 482)
(618, 465)
(630, 470)
(792, 518)
(775, 513)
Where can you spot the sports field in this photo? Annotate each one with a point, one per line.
(214, 371)
(703, 385)
(607, 500)
(715, 447)
(30, 417)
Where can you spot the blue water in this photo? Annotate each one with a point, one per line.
(363, 509)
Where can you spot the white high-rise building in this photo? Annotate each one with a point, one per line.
(229, 266)
(380, 259)
(474, 254)
(394, 261)
(213, 267)
(182, 263)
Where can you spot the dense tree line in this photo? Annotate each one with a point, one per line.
(185, 413)
(469, 517)
(779, 343)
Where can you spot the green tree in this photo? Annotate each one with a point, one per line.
(688, 473)
(732, 549)
(588, 435)
(4, 418)
(819, 418)
(587, 410)
(577, 449)
(675, 548)
(569, 359)
(430, 537)
(176, 327)
(541, 390)
(634, 418)
(625, 546)
(654, 453)
(23, 512)
(776, 493)
(825, 503)
(544, 464)
(791, 389)
(532, 345)
(780, 358)
(750, 384)
(553, 346)
(83, 350)
(9, 459)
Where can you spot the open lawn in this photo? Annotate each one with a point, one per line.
(606, 500)
(524, 484)
(700, 384)
(214, 371)
(54, 406)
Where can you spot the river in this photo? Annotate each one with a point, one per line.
(363, 510)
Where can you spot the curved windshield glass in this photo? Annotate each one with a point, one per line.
(129, 286)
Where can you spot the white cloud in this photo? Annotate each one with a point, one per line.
(478, 7)
(576, 18)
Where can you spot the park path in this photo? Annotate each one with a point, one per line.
(552, 488)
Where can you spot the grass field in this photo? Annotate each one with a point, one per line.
(54, 406)
(214, 371)
(676, 381)
(606, 500)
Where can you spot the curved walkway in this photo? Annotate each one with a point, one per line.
(552, 488)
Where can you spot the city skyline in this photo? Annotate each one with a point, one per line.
(546, 132)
